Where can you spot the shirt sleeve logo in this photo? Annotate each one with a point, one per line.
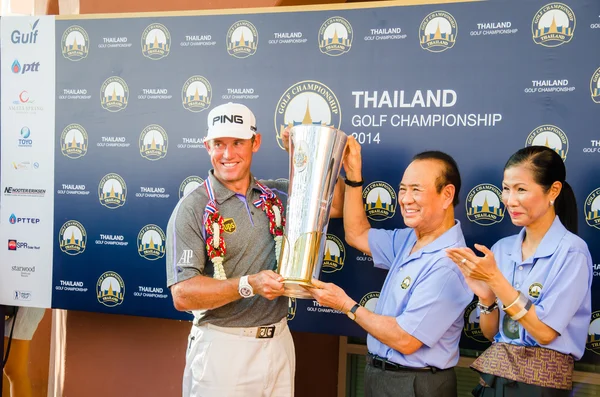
(186, 257)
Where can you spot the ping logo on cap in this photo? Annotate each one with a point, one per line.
(234, 118)
(231, 120)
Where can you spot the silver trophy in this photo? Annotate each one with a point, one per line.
(316, 154)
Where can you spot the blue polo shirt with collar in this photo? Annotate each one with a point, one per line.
(557, 279)
(426, 293)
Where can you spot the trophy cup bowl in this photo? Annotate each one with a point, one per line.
(316, 154)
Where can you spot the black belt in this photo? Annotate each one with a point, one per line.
(386, 365)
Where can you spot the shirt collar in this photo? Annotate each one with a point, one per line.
(222, 193)
(547, 246)
(450, 238)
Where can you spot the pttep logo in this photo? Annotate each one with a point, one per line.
(13, 220)
(27, 67)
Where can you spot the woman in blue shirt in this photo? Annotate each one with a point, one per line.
(533, 287)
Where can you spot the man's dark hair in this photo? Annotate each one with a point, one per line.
(450, 174)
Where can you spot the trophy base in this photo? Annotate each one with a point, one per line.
(296, 289)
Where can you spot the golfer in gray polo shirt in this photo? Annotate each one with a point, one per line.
(221, 244)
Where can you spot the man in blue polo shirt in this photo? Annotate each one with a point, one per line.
(415, 329)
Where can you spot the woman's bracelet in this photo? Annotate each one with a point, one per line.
(505, 308)
(522, 304)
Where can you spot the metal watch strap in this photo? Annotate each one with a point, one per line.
(487, 309)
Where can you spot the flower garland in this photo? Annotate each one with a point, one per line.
(213, 225)
(215, 243)
(273, 208)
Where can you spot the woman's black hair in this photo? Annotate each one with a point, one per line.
(548, 167)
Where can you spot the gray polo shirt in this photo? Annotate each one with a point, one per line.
(250, 249)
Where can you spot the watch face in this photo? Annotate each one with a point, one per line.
(245, 292)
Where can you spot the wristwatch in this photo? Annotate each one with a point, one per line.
(487, 309)
(352, 312)
(244, 288)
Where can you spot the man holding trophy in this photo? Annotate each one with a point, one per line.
(415, 329)
(223, 243)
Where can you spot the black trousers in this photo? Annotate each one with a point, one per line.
(502, 387)
(407, 383)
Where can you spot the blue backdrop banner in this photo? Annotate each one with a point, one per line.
(476, 80)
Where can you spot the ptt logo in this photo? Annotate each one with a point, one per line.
(25, 37)
(17, 68)
(15, 220)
